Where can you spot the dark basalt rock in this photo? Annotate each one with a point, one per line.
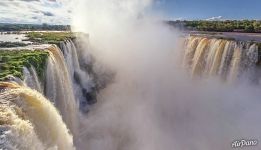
(91, 97)
(77, 78)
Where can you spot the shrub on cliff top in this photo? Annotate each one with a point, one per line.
(13, 61)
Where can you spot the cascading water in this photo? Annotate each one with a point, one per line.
(83, 80)
(71, 82)
(59, 89)
(29, 121)
(87, 76)
(31, 79)
(68, 83)
(218, 57)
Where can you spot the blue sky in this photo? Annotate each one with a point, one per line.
(59, 11)
(203, 9)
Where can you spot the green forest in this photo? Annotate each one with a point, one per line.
(32, 27)
(249, 26)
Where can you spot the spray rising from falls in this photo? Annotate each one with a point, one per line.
(217, 57)
(29, 121)
(152, 104)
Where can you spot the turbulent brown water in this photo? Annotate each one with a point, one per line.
(30, 121)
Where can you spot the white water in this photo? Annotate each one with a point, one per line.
(31, 79)
(83, 82)
(30, 122)
(216, 57)
(152, 104)
(59, 88)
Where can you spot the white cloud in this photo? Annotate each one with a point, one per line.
(160, 2)
(215, 18)
(35, 11)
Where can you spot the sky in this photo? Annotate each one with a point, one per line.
(59, 11)
(34, 11)
(210, 9)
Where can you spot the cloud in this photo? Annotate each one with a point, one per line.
(35, 11)
(46, 13)
(215, 18)
(160, 2)
(30, 0)
(3, 4)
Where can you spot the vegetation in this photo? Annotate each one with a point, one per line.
(12, 44)
(13, 61)
(250, 26)
(32, 27)
(49, 37)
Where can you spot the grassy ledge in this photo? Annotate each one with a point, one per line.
(49, 37)
(13, 61)
(12, 44)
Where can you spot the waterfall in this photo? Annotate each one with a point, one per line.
(73, 66)
(29, 121)
(31, 79)
(70, 84)
(59, 88)
(227, 59)
(72, 79)
(79, 64)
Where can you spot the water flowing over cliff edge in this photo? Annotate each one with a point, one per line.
(49, 106)
(227, 59)
(30, 121)
(50, 112)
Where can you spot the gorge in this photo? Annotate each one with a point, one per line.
(130, 75)
(51, 99)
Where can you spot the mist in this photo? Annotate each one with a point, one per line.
(153, 103)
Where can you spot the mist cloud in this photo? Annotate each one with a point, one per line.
(153, 104)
